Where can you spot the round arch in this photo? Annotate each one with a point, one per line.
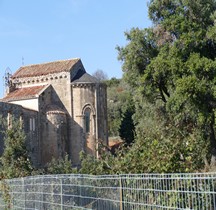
(88, 106)
(88, 116)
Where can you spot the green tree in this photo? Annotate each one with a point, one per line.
(60, 166)
(120, 110)
(172, 67)
(127, 128)
(15, 161)
(92, 165)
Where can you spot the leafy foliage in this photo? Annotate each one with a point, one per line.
(92, 165)
(120, 110)
(171, 69)
(179, 78)
(60, 166)
(167, 97)
(15, 161)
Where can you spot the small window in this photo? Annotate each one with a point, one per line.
(9, 120)
(21, 120)
(87, 114)
(32, 124)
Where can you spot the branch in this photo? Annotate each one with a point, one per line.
(162, 95)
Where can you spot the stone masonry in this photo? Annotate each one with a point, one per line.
(62, 107)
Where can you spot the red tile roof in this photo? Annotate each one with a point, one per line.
(45, 68)
(23, 93)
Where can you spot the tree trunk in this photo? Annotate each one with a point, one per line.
(162, 95)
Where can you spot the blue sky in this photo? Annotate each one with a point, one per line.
(47, 30)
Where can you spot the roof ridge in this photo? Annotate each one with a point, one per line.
(37, 64)
(46, 68)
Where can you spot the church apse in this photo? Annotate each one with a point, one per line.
(63, 109)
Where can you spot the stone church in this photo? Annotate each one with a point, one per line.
(63, 110)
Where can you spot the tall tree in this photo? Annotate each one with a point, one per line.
(120, 110)
(172, 66)
(100, 75)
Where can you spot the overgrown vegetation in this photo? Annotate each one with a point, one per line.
(163, 108)
(60, 166)
(120, 110)
(15, 161)
(170, 69)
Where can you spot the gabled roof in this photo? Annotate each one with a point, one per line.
(45, 68)
(24, 93)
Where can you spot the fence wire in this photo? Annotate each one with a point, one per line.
(111, 192)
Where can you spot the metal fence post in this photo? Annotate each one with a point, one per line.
(12, 199)
(24, 195)
(121, 193)
(61, 192)
(42, 202)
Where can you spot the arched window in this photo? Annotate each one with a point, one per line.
(32, 124)
(87, 115)
(9, 120)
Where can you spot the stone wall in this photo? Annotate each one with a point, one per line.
(69, 116)
(29, 119)
(53, 126)
(89, 97)
(84, 96)
(28, 103)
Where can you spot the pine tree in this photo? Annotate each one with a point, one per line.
(15, 161)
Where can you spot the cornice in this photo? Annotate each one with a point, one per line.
(83, 85)
(40, 79)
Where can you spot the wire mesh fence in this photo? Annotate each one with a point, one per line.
(112, 192)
